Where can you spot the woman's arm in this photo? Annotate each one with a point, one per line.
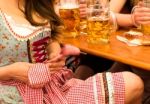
(4, 73)
(19, 70)
(122, 19)
(141, 14)
(117, 5)
(16, 71)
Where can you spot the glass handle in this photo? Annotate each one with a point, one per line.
(114, 22)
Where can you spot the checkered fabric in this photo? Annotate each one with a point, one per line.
(61, 88)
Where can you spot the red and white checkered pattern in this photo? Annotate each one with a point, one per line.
(119, 88)
(38, 77)
(61, 88)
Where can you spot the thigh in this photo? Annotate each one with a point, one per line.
(103, 88)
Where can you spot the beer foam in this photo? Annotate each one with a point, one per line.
(69, 6)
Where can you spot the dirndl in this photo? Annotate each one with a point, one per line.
(62, 88)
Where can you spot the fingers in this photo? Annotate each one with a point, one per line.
(142, 15)
(144, 22)
(54, 70)
(58, 58)
(83, 11)
(56, 65)
(52, 55)
(143, 18)
(83, 14)
(142, 9)
(82, 1)
(140, 3)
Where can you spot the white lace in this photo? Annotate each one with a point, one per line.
(95, 90)
(20, 29)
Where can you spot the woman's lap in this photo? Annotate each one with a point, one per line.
(101, 88)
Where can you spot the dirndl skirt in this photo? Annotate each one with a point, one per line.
(62, 88)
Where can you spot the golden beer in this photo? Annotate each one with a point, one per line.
(83, 26)
(145, 29)
(71, 19)
(98, 29)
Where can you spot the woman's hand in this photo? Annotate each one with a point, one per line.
(83, 7)
(19, 70)
(142, 14)
(54, 53)
(53, 49)
(54, 62)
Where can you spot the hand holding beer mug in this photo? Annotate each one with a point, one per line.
(99, 26)
(83, 15)
(141, 16)
(69, 12)
(146, 26)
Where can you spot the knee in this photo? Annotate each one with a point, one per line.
(133, 86)
(133, 82)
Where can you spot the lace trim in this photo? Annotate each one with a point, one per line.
(20, 37)
(95, 90)
(12, 21)
(110, 88)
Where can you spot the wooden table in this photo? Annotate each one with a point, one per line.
(138, 56)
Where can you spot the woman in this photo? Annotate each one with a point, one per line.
(140, 16)
(27, 77)
(24, 38)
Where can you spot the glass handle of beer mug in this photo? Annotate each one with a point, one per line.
(133, 18)
(114, 22)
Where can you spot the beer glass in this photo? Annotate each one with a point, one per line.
(99, 25)
(146, 27)
(70, 14)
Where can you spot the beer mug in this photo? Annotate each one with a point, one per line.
(70, 14)
(99, 26)
(145, 28)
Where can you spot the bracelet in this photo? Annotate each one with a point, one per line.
(132, 16)
(114, 18)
